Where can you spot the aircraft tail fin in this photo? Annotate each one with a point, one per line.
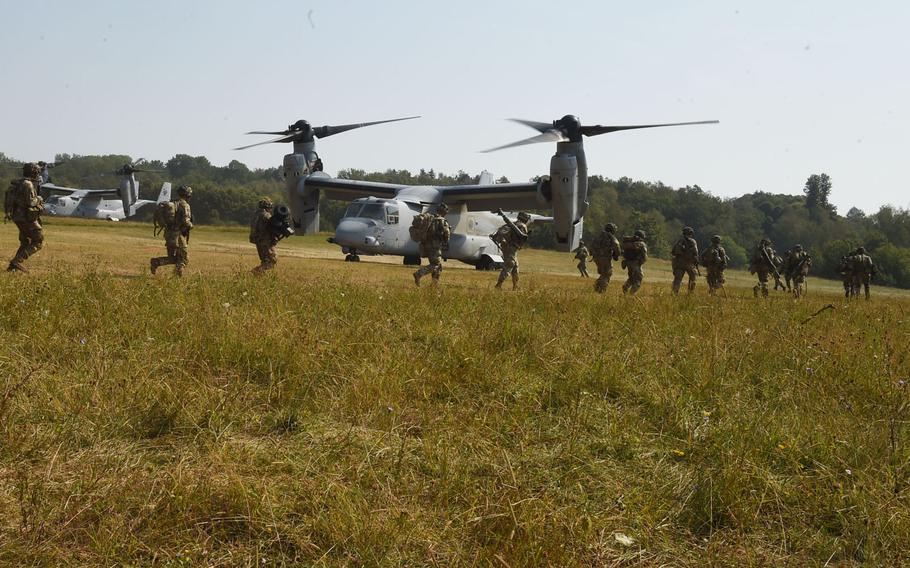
(165, 193)
(486, 178)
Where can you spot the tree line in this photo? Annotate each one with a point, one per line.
(228, 195)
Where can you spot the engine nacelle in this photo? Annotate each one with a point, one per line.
(568, 193)
(304, 202)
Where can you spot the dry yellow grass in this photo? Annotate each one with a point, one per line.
(330, 414)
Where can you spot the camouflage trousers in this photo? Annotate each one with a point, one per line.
(798, 281)
(31, 239)
(763, 276)
(636, 277)
(433, 266)
(509, 267)
(267, 257)
(176, 254)
(604, 273)
(680, 270)
(583, 268)
(861, 280)
(715, 279)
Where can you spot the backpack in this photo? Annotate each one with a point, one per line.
(501, 236)
(420, 225)
(165, 216)
(632, 249)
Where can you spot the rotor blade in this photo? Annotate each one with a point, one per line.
(538, 126)
(150, 171)
(266, 132)
(285, 138)
(595, 130)
(326, 131)
(551, 135)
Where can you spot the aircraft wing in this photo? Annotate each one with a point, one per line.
(483, 197)
(80, 193)
(348, 189)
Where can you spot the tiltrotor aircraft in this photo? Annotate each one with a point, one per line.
(380, 214)
(111, 204)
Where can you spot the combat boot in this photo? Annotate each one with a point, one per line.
(417, 279)
(153, 265)
(14, 266)
(755, 291)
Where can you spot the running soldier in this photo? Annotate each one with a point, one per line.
(715, 260)
(796, 269)
(634, 255)
(605, 249)
(510, 238)
(581, 254)
(845, 269)
(685, 260)
(176, 233)
(762, 264)
(262, 235)
(863, 271)
(434, 241)
(24, 207)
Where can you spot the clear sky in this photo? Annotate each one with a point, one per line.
(800, 87)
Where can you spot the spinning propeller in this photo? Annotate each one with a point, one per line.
(569, 129)
(302, 131)
(130, 169)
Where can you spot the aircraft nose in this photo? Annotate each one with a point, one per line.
(351, 233)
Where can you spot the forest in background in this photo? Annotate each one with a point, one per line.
(228, 195)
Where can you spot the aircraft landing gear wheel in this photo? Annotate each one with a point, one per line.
(352, 258)
(485, 263)
(411, 261)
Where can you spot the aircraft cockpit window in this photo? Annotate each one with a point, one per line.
(374, 211)
(391, 214)
(353, 209)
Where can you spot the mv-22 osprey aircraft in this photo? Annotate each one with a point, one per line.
(111, 204)
(380, 214)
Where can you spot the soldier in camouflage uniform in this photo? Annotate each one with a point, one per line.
(177, 234)
(581, 254)
(605, 249)
(24, 207)
(510, 238)
(763, 265)
(435, 241)
(845, 269)
(715, 260)
(685, 260)
(796, 268)
(634, 255)
(262, 235)
(863, 271)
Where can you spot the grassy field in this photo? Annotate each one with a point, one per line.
(331, 414)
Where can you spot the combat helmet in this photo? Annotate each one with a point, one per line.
(185, 191)
(524, 217)
(265, 203)
(797, 247)
(688, 231)
(860, 250)
(31, 170)
(610, 228)
(639, 233)
(442, 209)
(715, 239)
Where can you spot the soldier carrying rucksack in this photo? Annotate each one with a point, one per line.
(510, 238)
(685, 260)
(23, 206)
(715, 260)
(605, 249)
(634, 255)
(581, 255)
(432, 233)
(176, 220)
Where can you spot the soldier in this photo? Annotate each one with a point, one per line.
(715, 260)
(634, 254)
(685, 260)
(863, 271)
(605, 249)
(796, 269)
(581, 254)
(763, 265)
(785, 264)
(177, 234)
(510, 238)
(262, 235)
(436, 239)
(24, 207)
(845, 269)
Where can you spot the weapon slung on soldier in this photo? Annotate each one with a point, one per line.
(512, 225)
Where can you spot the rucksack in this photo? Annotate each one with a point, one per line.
(501, 236)
(632, 249)
(419, 226)
(9, 200)
(165, 216)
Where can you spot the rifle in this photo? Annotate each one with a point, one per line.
(777, 282)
